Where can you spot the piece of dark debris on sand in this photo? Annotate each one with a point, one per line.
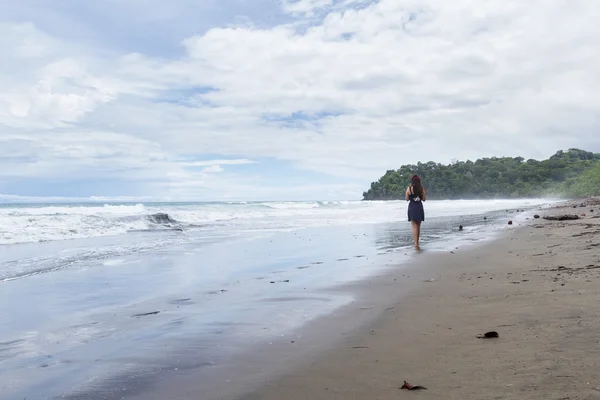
(489, 335)
(564, 217)
(146, 314)
(408, 386)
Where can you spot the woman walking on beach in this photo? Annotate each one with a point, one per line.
(415, 195)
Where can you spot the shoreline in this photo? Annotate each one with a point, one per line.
(545, 316)
(199, 344)
(273, 354)
(373, 295)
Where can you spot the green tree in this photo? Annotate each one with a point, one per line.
(588, 183)
(566, 173)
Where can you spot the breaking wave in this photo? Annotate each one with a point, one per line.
(50, 222)
(106, 232)
(41, 224)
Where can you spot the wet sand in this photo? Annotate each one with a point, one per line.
(189, 316)
(538, 287)
(207, 322)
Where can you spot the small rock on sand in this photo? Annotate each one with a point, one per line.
(489, 335)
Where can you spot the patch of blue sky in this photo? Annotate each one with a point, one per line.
(152, 27)
(300, 119)
(189, 97)
(287, 173)
(303, 24)
(36, 187)
(270, 171)
(205, 157)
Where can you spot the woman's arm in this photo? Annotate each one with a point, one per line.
(407, 194)
(424, 194)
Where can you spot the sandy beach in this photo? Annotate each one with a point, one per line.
(537, 287)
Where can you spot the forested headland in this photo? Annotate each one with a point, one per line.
(571, 173)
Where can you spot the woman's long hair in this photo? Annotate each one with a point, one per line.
(417, 186)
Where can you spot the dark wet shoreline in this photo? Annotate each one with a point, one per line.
(203, 327)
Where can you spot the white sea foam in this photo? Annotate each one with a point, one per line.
(113, 262)
(29, 223)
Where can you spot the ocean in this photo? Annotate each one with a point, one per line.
(94, 294)
(124, 229)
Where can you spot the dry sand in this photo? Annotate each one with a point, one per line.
(538, 287)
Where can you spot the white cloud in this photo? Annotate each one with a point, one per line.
(213, 169)
(304, 6)
(8, 198)
(308, 8)
(217, 162)
(352, 94)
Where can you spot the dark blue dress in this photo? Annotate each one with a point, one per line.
(415, 207)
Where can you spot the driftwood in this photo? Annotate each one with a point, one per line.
(565, 217)
(408, 386)
(146, 314)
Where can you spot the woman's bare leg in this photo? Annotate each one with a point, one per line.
(418, 233)
(415, 231)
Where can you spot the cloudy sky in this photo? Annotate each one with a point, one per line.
(283, 99)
